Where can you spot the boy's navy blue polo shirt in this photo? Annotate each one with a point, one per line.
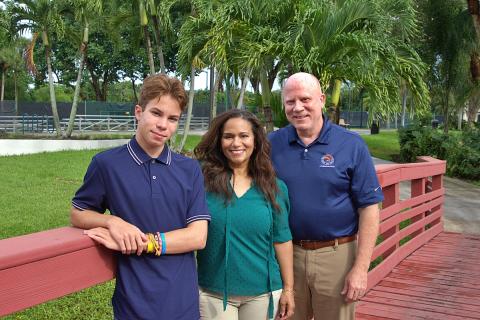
(327, 180)
(162, 194)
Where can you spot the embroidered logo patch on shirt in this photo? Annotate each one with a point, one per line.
(327, 161)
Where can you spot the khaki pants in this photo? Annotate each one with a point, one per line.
(238, 307)
(319, 279)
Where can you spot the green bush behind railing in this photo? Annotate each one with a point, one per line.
(461, 149)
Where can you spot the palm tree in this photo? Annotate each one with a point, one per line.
(83, 10)
(126, 11)
(189, 55)
(160, 15)
(11, 62)
(43, 18)
(351, 40)
(239, 42)
(142, 11)
(450, 52)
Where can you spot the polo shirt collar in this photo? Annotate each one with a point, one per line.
(140, 156)
(323, 138)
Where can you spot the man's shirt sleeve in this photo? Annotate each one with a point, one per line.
(91, 195)
(365, 187)
(197, 207)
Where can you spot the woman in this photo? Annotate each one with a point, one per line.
(249, 249)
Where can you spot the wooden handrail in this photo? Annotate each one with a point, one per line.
(46, 265)
(423, 210)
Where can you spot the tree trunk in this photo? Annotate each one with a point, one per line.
(3, 85)
(334, 109)
(227, 91)
(105, 86)
(73, 111)
(213, 105)
(459, 118)
(212, 87)
(474, 10)
(148, 45)
(266, 108)
(272, 75)
(242, 90)
(446, 114)
(134, 88)
(53, 100)
(404, 104)
(156, 28)
(473, 108)
(255, 84)
(191, 94)
(16, 91)
(94, 82)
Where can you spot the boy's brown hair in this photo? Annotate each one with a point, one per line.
(159, 85)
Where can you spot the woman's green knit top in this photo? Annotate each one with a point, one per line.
(239, 258)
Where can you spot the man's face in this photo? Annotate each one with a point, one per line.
(157, 123)
(303, 106)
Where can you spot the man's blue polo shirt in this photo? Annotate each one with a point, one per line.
(327, 180)
(162, 194)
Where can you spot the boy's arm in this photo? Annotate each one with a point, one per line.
(191, 238)
(128, 237)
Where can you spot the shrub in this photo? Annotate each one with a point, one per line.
(462, 150)
(417, 140)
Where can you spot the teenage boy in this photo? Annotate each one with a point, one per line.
(158, 211)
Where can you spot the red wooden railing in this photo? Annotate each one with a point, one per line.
(423, 209)
(46, 265)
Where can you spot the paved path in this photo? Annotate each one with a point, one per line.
(462, 204)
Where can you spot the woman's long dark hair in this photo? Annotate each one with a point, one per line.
(216, 169)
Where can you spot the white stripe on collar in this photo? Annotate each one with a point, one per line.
(169, 156)
(132, 153)
(139, 162)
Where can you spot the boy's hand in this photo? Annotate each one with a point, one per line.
(103, 236)
(127, 236)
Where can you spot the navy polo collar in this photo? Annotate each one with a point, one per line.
(140, 156)
(323, 138)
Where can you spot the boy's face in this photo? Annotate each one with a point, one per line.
(157, 123)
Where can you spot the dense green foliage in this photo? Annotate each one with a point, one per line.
(461, 150)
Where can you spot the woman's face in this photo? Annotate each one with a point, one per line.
(237, 142)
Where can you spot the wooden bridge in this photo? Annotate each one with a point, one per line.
(420, 271)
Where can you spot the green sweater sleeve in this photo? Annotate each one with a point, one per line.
(281, 229)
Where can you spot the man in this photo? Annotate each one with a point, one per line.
(334, 195)
(148, 188)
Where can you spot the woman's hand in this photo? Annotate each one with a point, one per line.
(286, 305)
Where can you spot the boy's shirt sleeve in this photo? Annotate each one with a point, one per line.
(197, 207)
(91, 195)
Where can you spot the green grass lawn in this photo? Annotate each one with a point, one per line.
(35, 194)
(383, 145)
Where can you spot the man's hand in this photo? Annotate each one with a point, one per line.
(356, 280)
(355, 285)
(127, 236)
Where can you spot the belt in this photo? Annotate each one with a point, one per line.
(314, 244)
